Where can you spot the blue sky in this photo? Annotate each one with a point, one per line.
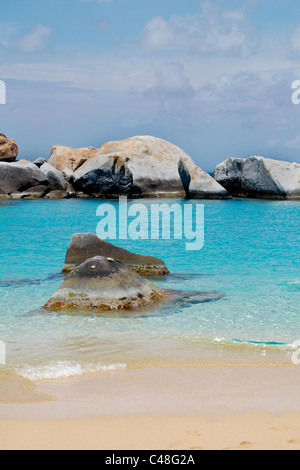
(213, 77)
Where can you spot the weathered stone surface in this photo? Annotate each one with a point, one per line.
(58, 195)
(55, 177)
(3, 195)
(87, 245)
(36, 192)
(259, 177)
(18, 177)
(8, 149)
(16, 195)
(198, 184)
(63, 158)
(142, 166)
(107, 284)
(39, 162)
(104, 284)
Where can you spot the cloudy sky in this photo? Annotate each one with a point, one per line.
(213, 77)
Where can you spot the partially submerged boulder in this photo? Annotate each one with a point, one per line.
(142, 166)
(259, 177)
(8, 149)
(87, 245)
(104, 284)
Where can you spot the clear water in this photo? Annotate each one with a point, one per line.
(251, 254)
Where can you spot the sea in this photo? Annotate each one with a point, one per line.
(250, 256)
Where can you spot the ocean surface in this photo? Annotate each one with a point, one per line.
(250, 255)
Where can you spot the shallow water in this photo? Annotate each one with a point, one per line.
(251, 255)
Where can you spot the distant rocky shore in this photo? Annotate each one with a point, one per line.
(140, 167)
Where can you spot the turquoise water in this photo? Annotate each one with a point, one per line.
(251, 254)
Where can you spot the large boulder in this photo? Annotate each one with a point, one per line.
(87, 245)
(55, 177)
(142, 166)
(18, 177)
(8, 149)
(259, 177)
(104, 284)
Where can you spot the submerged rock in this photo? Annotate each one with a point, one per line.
(142, 166)
(107, 285)
(87, 245)
(104, 284)
(8, 149)
(259, 177)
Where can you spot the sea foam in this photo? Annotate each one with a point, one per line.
(64, 370)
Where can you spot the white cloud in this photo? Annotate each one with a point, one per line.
(35, 40)
(158, 34)
(213, 31)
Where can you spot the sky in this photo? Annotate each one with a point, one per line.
(213, 77)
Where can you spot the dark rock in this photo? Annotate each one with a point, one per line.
(87, 245)
(39, 162)
(104, 284)
(259, 177)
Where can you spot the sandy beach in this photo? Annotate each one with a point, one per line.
(215, 407)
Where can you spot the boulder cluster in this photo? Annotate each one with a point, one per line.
(140, 167)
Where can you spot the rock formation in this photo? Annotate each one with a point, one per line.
(8, 149)
(142, 166)
(87, 245)
(18, 177)
(104, 284)
(259, 177)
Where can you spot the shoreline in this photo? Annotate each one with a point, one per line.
(182, 408)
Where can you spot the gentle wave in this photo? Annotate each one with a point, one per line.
(64, 370)
(255, 344)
